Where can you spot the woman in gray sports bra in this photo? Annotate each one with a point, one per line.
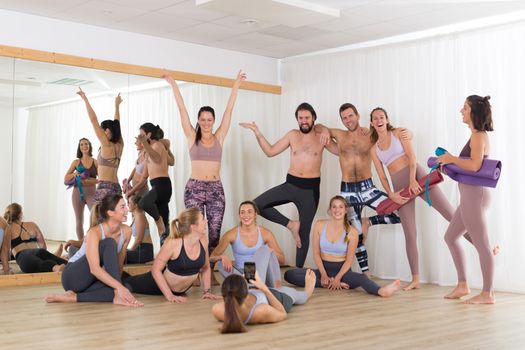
(93, 273)
(243, 306)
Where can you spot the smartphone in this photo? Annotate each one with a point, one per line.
(249, 271)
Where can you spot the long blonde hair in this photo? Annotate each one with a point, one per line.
(345, 219)
(181, 226)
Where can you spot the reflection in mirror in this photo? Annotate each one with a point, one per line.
(50, 119)
(6, 131)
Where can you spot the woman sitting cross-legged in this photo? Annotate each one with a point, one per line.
(252, 243)
(334, 246)
(93, 273)
(261, 305)
(182, 256)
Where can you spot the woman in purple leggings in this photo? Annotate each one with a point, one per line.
(474, 200)
(204, 188)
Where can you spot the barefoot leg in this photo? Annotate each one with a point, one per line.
(293, 226)
(414, 284)
(461, 290)
(482, 298)
(67, 297)
(365, 225)
(309, 282)
(160, 226)
(389, 289)
(59, 250)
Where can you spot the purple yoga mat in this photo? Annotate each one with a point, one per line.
(486, 176)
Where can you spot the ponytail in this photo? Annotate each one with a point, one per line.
(181, 226)
(232, 320)
(94, 217)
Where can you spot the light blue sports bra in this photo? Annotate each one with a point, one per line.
(243, 253)
(260, 299)
(82, 251)
(338, 248)
(1, 236)
(392, 153)
(134, 230)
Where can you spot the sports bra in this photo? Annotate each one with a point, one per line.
(243, 253)
(338, 248)
(139, 168)
(109, 162)
(92, 170)
(134, 230)
(465, 152)
(260, 299)
(18, 240)
(82, 251)
(184, 266)
(210, 154)
(392, 153)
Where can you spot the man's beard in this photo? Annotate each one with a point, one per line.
(354, 129)
(305, 129)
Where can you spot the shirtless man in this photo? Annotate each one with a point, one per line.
(356, 186)
(158, 158)
(302, 181)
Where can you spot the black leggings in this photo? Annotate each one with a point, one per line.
(156, 201)
(145, 284)
(353, 279)
(302, 192)
(141, 255)
(37, 260)
(77, 276)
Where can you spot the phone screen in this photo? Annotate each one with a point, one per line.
(249, 270)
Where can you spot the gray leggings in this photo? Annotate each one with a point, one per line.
(77, 276)
(353, 279)
(266, 264)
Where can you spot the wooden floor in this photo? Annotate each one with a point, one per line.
(330, 320)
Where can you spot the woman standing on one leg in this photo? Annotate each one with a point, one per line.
(84, 188)
(250, 243)
(142, 250)
(474, 200)
(398, 155)
(334, 243)
(204, 188)
(181, 258)
(156, 201)
(93, 273)
(112, 144)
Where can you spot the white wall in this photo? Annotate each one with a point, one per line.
(6, 122)
(41, 33)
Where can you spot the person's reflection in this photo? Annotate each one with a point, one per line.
(28, 245)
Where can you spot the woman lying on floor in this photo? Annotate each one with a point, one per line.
(182, 257)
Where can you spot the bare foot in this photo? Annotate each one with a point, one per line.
(293, 226)
(59, 268)
(59, 250)
(365, 225)
(309, 282)
(160, 226)
(117, 300)
(461, 290)
(482, 298)
(495, 250)
(412, 285)
(389, 289)
(67, 297)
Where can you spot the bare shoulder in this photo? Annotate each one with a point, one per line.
(337, 133)
(218, 311)
(126, 230)
(266, 233)
(319, 224)
(230, 234)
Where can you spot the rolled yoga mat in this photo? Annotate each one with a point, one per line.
(487, 176)
(388, 206)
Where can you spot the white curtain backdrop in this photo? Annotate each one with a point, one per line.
(47, 145)
(423, 85)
